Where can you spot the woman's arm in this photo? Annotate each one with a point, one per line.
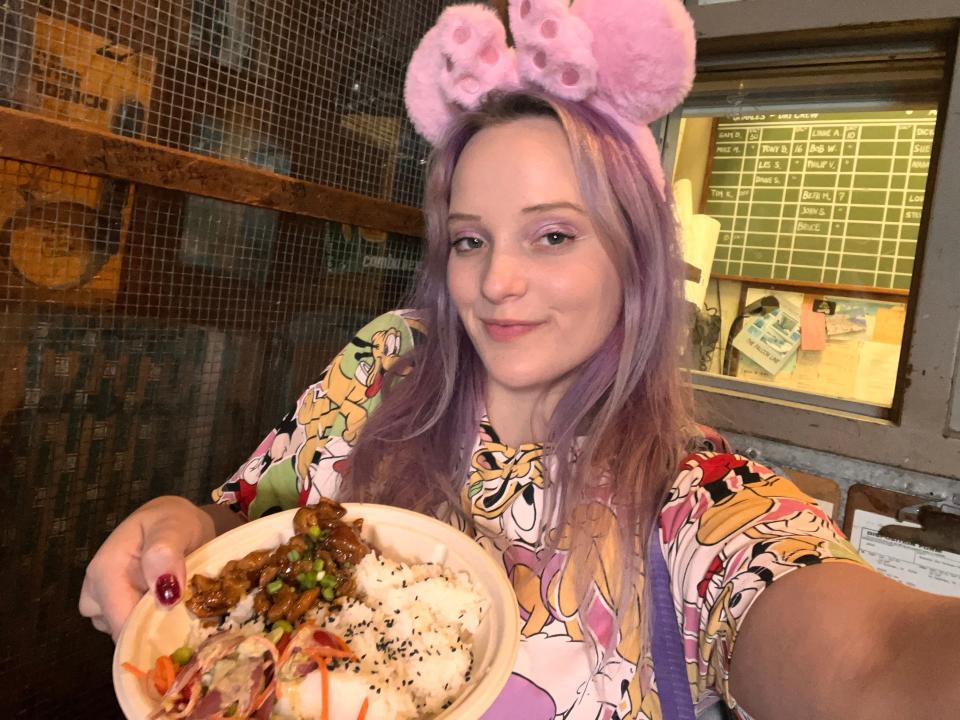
(842, 641)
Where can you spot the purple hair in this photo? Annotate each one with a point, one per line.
(627, 403)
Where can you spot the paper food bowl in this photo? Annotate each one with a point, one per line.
(399, 534)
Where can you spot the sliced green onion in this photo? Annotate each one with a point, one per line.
(328, 581)
(328, 593)
(308, 581)
(182, 655)
(293, 556)
(273, 587)
(318, 564)
(275, 634)
(314, 531)
(283, 625)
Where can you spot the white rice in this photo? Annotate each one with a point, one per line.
(411, 628)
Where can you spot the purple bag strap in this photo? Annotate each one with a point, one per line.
(669, 665)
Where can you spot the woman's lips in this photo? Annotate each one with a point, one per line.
(506, 330)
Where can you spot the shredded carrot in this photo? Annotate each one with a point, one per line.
(272, 686)
(133, 670)
(164, 674)
(325, 691)
(363, 709)
(320, 654)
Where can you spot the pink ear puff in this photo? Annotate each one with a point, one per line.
(428, 109)
(553, 48)
(645, 53)
(643, 139)
(476, 57)
(462, 58)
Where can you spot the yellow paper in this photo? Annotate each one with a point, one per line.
(889, 325)
(831, 371)
(877, 373)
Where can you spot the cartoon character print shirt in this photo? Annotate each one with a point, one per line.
(728, 529)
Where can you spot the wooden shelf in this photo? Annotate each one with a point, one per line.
(32, 139)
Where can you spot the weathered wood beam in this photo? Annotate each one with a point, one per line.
(54, 143)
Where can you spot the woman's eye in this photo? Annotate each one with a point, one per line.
(466, 244)
(556, 238)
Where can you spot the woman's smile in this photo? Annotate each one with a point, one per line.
(507, 330)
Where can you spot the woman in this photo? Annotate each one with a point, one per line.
(533, 397)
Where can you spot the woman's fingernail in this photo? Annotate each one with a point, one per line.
(168, 589)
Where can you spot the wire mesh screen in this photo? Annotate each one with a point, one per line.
(306, 88)
(142, 357)
(148, 338)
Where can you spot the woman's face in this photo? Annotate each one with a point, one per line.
(531, 280)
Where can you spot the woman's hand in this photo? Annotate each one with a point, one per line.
(145, 552)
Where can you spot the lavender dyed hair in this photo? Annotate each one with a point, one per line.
(627, 401)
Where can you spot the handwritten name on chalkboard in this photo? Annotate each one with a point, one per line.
(829, 198)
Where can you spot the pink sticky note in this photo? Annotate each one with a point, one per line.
(813, 327)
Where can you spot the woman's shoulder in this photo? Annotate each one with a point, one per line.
(728, 493)
(724, 473)
(385, 337)
(405, 323)
(709, 465)
(358, 370)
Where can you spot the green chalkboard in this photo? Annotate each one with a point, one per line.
(828, 198)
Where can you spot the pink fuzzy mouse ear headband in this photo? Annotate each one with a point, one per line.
(633, 60)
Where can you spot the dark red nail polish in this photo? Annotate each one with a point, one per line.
(168, 589)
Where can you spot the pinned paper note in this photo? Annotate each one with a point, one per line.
(849, 320)
(889, 324)
(683, 200)
(877, 372)
(832, 371)
(813, 326)
(770, 340)
(699, 234)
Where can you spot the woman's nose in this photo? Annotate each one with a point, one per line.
(505, 276)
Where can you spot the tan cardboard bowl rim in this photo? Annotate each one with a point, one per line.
(402, 534)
